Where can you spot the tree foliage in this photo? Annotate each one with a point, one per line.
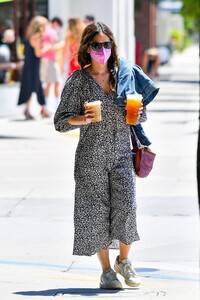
(191, 8)
(191, 13)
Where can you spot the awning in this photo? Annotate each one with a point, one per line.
(172, 6)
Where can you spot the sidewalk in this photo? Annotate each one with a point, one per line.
(36, 204)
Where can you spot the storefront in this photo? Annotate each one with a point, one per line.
(16, 14)
(118, 15)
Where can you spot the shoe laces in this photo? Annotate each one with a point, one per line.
(110, 275)
(128, 270)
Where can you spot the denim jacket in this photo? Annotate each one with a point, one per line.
(131, 79)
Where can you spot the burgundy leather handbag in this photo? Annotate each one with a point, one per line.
(143, 157)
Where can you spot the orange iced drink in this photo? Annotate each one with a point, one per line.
(95, 106)
(134, 102)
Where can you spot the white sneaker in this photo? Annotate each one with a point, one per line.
(110, 281)
(125, 269)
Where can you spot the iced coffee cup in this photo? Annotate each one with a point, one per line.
(95, 106)
(134, 102)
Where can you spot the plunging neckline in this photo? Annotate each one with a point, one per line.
(90, 76)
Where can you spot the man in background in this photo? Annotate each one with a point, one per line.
(89, 19)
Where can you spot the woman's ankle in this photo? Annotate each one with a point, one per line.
(104, 269)
(120, 258)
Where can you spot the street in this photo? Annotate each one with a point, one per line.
(36, 203)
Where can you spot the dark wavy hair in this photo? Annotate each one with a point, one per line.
(87, 37)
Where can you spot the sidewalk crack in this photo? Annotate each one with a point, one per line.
(69, 267)
(9, 213)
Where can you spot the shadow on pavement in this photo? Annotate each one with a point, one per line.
(70, 291)
(12, 137)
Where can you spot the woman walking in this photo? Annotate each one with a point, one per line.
(72, 41)
(105, 206)
(30, 81)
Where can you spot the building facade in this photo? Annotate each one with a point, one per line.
(117, 14)
(145, 26)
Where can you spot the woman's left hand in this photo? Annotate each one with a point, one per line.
(140, 110)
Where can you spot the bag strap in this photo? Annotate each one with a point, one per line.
(134, 139)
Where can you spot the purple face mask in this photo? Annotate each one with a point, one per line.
(101, 56)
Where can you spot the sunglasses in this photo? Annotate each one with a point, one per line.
(97, 46)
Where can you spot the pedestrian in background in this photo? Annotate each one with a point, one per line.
(30, 80)
(72, 41)
(89, 19)
(151, 62)
(7, 38)
(105, 204)
(50, 70)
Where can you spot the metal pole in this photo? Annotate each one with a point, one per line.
(32, 8)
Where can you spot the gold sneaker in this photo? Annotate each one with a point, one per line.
(125, 269)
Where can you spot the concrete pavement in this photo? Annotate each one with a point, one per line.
(36, 203)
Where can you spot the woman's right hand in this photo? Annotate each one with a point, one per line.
(83, 119)
(89, 113)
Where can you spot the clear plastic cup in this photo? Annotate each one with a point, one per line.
(95, 106)
(133, 103)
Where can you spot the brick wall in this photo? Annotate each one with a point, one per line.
(145, 27)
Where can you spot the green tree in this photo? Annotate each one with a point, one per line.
(191, 13)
